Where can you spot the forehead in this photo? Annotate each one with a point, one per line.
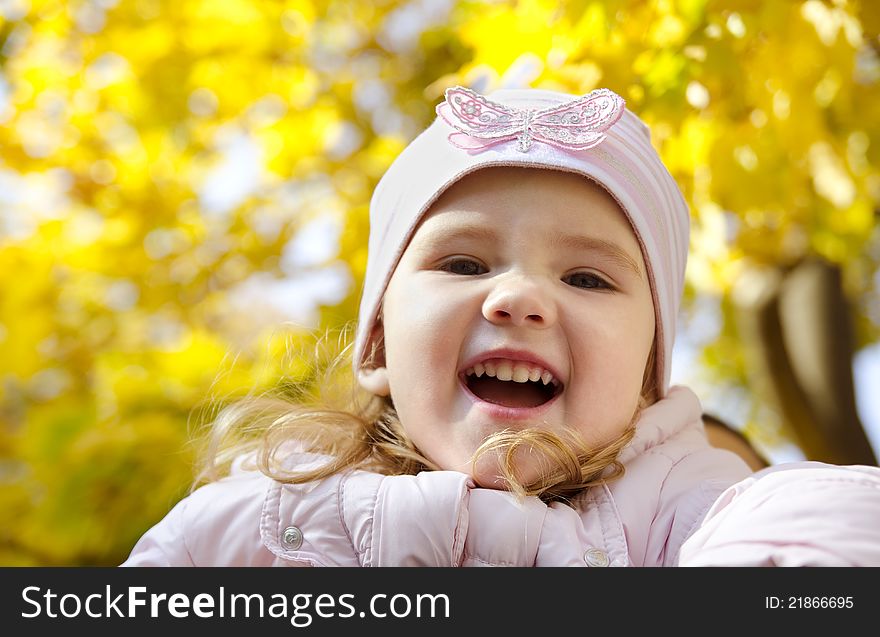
(500, 195)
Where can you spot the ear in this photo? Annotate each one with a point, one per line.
(374, 380)
(374, 377)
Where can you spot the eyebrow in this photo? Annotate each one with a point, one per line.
(462, 232)
(592, 244)
(558, 240)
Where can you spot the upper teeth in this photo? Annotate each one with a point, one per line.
(516, 371)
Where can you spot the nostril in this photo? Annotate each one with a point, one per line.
(535, 317)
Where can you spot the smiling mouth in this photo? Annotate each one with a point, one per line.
(518, 392)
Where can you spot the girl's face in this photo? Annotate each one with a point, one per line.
(521, 301)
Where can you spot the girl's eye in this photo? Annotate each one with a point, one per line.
(465, 267)
(586, 280)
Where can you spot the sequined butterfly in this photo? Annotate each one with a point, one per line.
(576, 125)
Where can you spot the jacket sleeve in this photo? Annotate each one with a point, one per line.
(216, 525)
(438, 518)
(357, 518)
(798, 514)
(163, 544)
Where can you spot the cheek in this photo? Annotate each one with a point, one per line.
(634, 336)
(410, 319)
(611, 352)
(424, 329)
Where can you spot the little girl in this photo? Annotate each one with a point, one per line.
(526, 263)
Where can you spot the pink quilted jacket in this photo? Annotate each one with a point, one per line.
(680, 503)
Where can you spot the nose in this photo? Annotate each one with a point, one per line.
(520, 300)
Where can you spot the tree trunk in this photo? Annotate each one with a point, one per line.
(797, 330)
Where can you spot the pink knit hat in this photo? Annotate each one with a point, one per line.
(593, 135)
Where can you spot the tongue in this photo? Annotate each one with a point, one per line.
(508, 393)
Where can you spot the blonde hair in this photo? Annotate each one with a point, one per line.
(334, 417)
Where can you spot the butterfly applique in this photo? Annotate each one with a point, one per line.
(576, 125)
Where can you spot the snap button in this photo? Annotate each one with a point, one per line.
(292, 538)
(596, 557)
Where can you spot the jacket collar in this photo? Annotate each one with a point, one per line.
(662, 420)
